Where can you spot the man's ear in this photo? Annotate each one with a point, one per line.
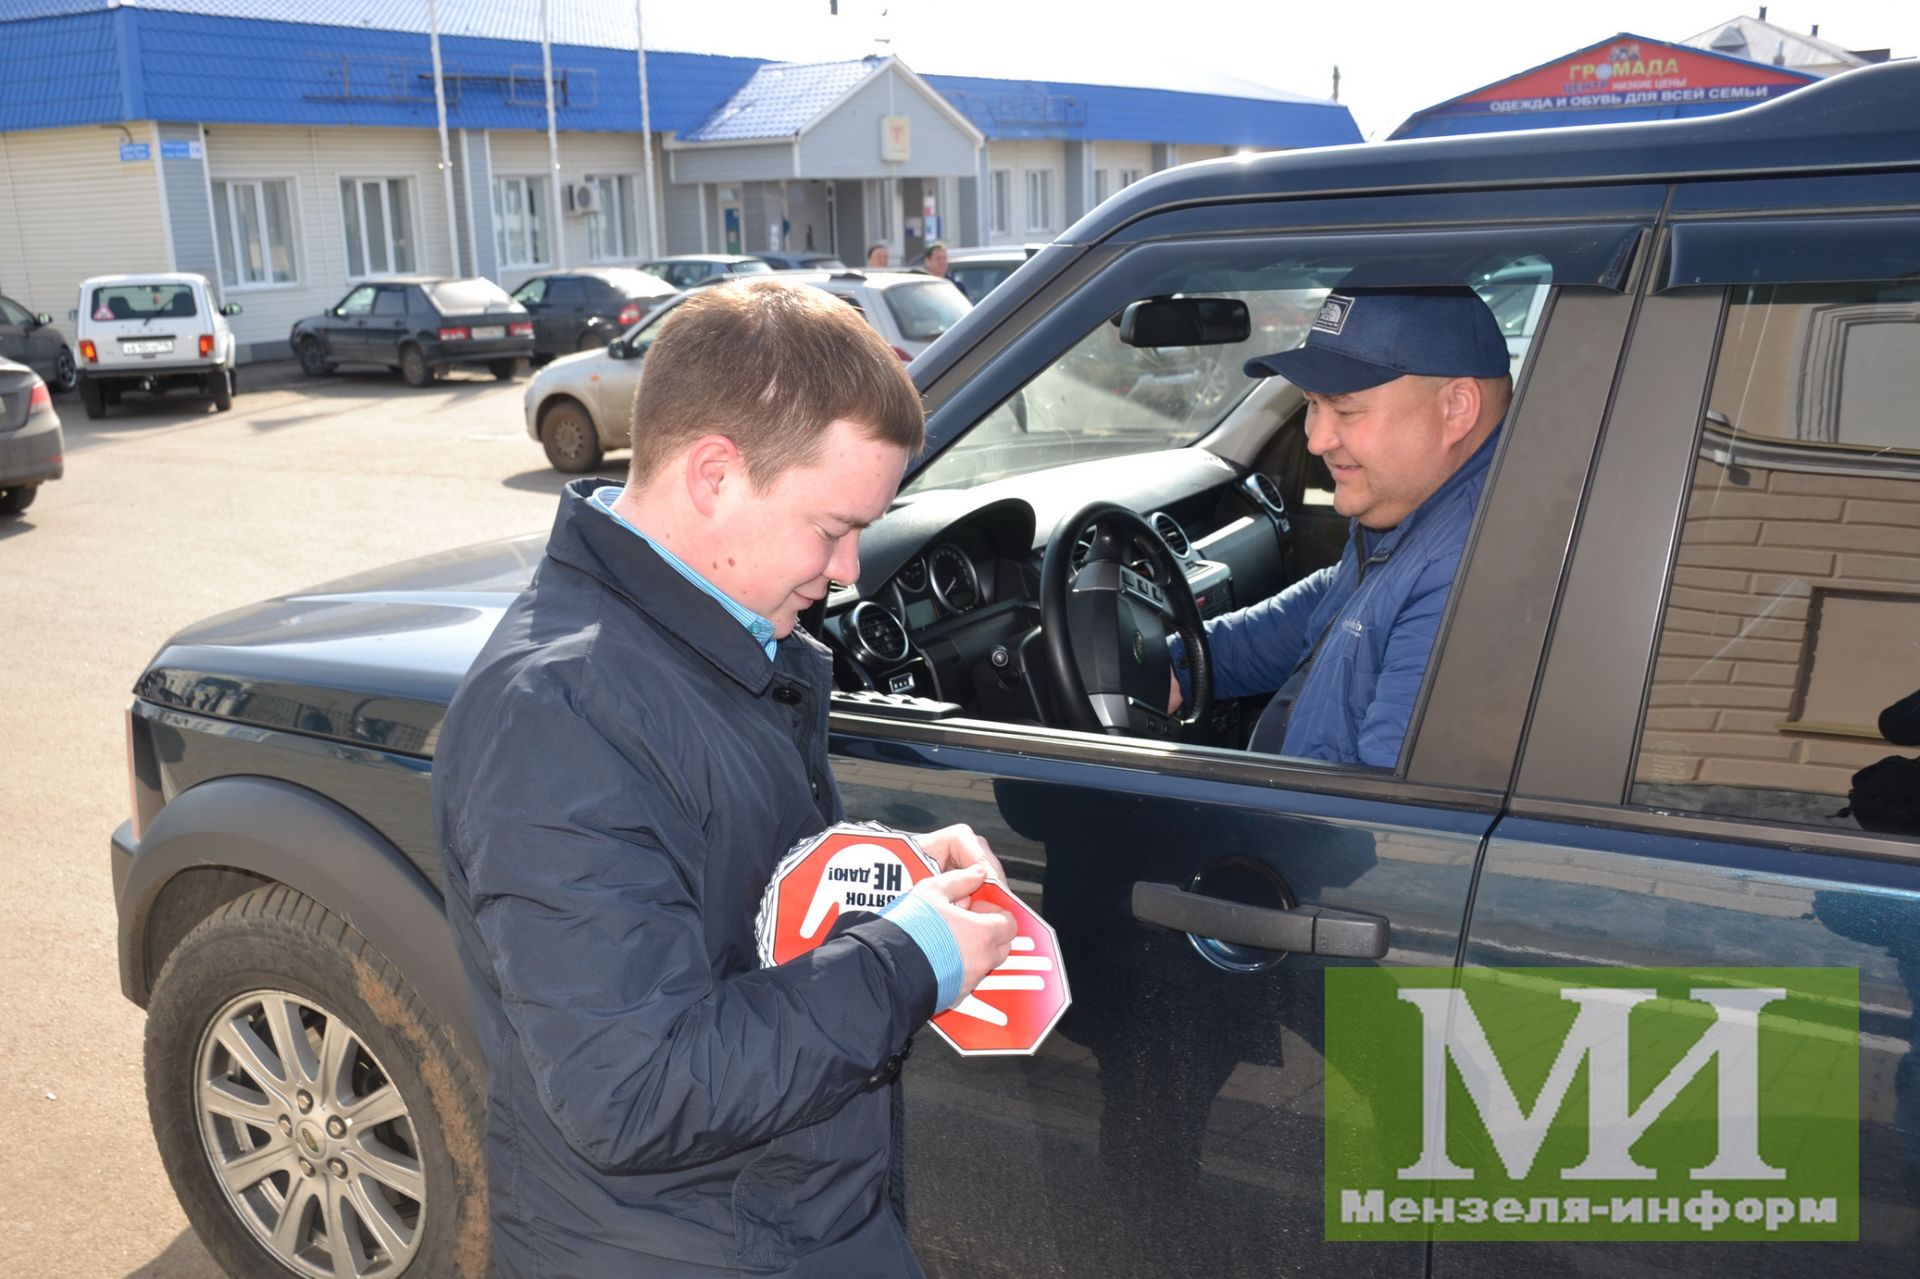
(1460, 407)
(713, 463)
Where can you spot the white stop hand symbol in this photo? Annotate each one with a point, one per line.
(1015, 972)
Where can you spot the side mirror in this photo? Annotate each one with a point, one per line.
(1157, 322)
(73, 315)
(619, 350)
(231, 308)
(43, 319)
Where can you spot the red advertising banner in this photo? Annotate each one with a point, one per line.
(1628, 71)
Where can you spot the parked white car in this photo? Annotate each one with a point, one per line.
(153, 333)
(581, 405)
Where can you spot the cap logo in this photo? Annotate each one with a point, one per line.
(1333, 314)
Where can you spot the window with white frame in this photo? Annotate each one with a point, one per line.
(1130, 176)
(520, 221)
(1102, 184)
(253, 231)
(610, 227)
(1002, 200)
(378, 217)
(1039, 199)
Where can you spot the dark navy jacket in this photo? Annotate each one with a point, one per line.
(615, 779)
(1373, 618)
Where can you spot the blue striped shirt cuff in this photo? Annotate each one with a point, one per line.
(935, 940)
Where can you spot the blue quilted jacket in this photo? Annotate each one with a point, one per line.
(1352, 639)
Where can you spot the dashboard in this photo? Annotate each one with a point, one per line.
(945, 619)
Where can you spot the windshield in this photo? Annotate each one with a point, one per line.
(926, 310)
(144, 302)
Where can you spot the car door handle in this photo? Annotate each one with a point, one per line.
(1305, 930)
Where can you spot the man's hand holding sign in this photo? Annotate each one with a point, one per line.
(1013, 987)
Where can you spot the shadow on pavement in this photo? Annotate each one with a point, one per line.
(184, 1258)
(547, 480)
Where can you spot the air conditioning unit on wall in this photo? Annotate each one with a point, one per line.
(583, 197)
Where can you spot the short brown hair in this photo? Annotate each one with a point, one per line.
(770, 364)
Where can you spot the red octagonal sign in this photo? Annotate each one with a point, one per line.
(862, 867)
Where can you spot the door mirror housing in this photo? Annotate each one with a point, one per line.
(231, 308)
(1157, 322)
(43, 319)
(619, 350)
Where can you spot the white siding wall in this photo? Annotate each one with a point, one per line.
(1022, 158)
(70, 209)
(1115, 158)
(600, 155)
(315, 160)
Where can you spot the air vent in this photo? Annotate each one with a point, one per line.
(1171, 533)
(878, 634)
(1266, 492)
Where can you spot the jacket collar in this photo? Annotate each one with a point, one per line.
(585, 539)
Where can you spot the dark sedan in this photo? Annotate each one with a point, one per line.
(32, 450)
(32, 340)
(419, 326)
(586, 309)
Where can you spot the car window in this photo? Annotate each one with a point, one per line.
(979, 281)
(390, 301)
(144, 302)
(925, 310)
(460, 297)
(1789, 648)
(531, 291)
(358, 302)
(1104, 398)
(565, 290)
(752, 266)
(12, 314)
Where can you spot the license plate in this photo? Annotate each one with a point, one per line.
(489, 331)
(149, 346)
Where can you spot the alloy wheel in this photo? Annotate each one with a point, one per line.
(310, 1138)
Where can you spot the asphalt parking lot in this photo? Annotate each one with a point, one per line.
(170, 512)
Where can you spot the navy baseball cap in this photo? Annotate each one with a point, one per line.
(1364, 337)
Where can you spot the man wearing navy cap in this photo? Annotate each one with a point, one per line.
(1406, 389)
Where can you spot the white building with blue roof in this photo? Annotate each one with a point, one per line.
(290, 148)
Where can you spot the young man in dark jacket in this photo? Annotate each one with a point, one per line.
(638, 743)
(1406, 389)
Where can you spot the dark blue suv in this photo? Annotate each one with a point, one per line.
(1660, 728)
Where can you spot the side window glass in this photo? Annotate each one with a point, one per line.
(11, 314)
(1786, 686)
(564, 291)
(358, 302)
(531, 291)
(390, 302)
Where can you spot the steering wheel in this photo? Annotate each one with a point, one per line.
(1106, 628)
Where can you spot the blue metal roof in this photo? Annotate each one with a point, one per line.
(780, 99)
(1097, 112)
(368, 62)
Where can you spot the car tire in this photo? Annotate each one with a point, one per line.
(505, 370)
(93, 399)
(65, 371)
(222, 388)
(569, 436)
(414, 369)
(594, 340)
(17, 499)
(313, 359)
(383, 1168)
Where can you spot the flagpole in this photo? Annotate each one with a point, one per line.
(446, 155)
(646, 135)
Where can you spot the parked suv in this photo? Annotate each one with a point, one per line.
(419, 326)
(1646, 736)
(153, 333)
